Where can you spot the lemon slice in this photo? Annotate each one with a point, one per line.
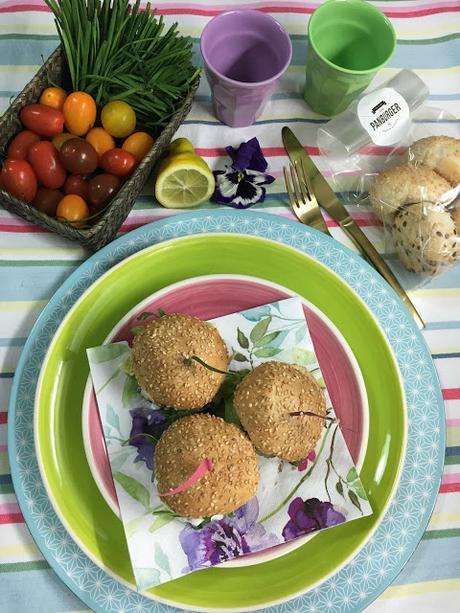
(180, 145)
(183, 181)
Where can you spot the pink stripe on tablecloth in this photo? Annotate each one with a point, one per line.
(451, 393)
(3, 448)
(9, 507)
(268, 7)
(451, 478)
(451, 423)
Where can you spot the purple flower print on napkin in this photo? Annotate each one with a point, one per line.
(240, 185)
(146, 421)
(226, 538)
(308, 516)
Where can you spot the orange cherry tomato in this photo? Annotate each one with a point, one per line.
(53, 97)
(72, 208)
(101, 140)
(60, 139)
(79, 113)
(139, 144)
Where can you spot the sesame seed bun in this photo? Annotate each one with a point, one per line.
(233, 479)
(263, 401)
(158, 354)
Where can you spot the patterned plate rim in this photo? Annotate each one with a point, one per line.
(382, 558)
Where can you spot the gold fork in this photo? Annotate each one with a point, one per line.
(303, 200)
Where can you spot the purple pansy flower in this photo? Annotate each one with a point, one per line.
(308, 516)
(146, 421)
(240, 185)
(226, 538)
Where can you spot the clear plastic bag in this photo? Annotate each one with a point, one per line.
(411, 190)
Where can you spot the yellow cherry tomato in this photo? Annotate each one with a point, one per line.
(72, 208)
(139, 144)
(118, 118)
(79, 113)
(101, 140)
(60, 139)
(53, 97)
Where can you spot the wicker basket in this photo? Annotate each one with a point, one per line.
(106, 226)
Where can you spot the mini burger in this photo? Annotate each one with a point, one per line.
(282, 408)
(162, 364)
(231, 476)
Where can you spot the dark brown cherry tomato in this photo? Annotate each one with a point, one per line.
(79, 157)
(102, 188)
(47, 200)
(18, 178)
(44, 159)
(42, 120)
(77, 185)
(118, 162)
(20, 145)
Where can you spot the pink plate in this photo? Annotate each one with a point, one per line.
(213, 296)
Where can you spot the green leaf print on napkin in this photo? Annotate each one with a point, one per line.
(242, 339)
(267, 352)
(105, 353)
(134, 488)
(161, 559)
(112, 418)
(259, 330)
(129, 390)
(161, 519)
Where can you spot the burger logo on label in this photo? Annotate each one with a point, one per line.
(384, 114)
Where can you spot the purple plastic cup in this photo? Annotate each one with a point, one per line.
(245, 53)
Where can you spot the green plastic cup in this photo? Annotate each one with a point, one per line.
(349, 40)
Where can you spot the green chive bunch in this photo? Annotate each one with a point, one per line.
(116, 51)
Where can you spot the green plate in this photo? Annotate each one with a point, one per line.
(59, 443)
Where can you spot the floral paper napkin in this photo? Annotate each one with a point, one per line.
(321, 491)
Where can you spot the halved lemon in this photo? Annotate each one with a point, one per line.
(183, 181)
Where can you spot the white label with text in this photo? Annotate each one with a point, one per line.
(384, 114)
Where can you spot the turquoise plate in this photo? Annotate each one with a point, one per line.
(380, 560)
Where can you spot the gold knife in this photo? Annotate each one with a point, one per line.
(329, 201)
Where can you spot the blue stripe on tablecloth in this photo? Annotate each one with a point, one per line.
(440, 356)
(452, 451)
(442, 325)
(22, 51)
(5, 479)
(446, 553)
(37, 591)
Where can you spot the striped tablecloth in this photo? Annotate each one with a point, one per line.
(33, 264)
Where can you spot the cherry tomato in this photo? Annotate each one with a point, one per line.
(60, 139)
(47, 166)
(101, 140)
(72, 208)
(53, 97)
(18, 178)
(139, 144)
(77, 185)
(79, 112)
(118, 118)
(102, 188)
(42, 120)
(79, 157)
(118, 162)
(47, 200)
(19, 146)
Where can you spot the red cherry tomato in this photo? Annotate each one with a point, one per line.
(47, 166)
(43, 120)
(47, 200)
(76, 185)
(118, 162)
(18, 178)
(19, 146)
